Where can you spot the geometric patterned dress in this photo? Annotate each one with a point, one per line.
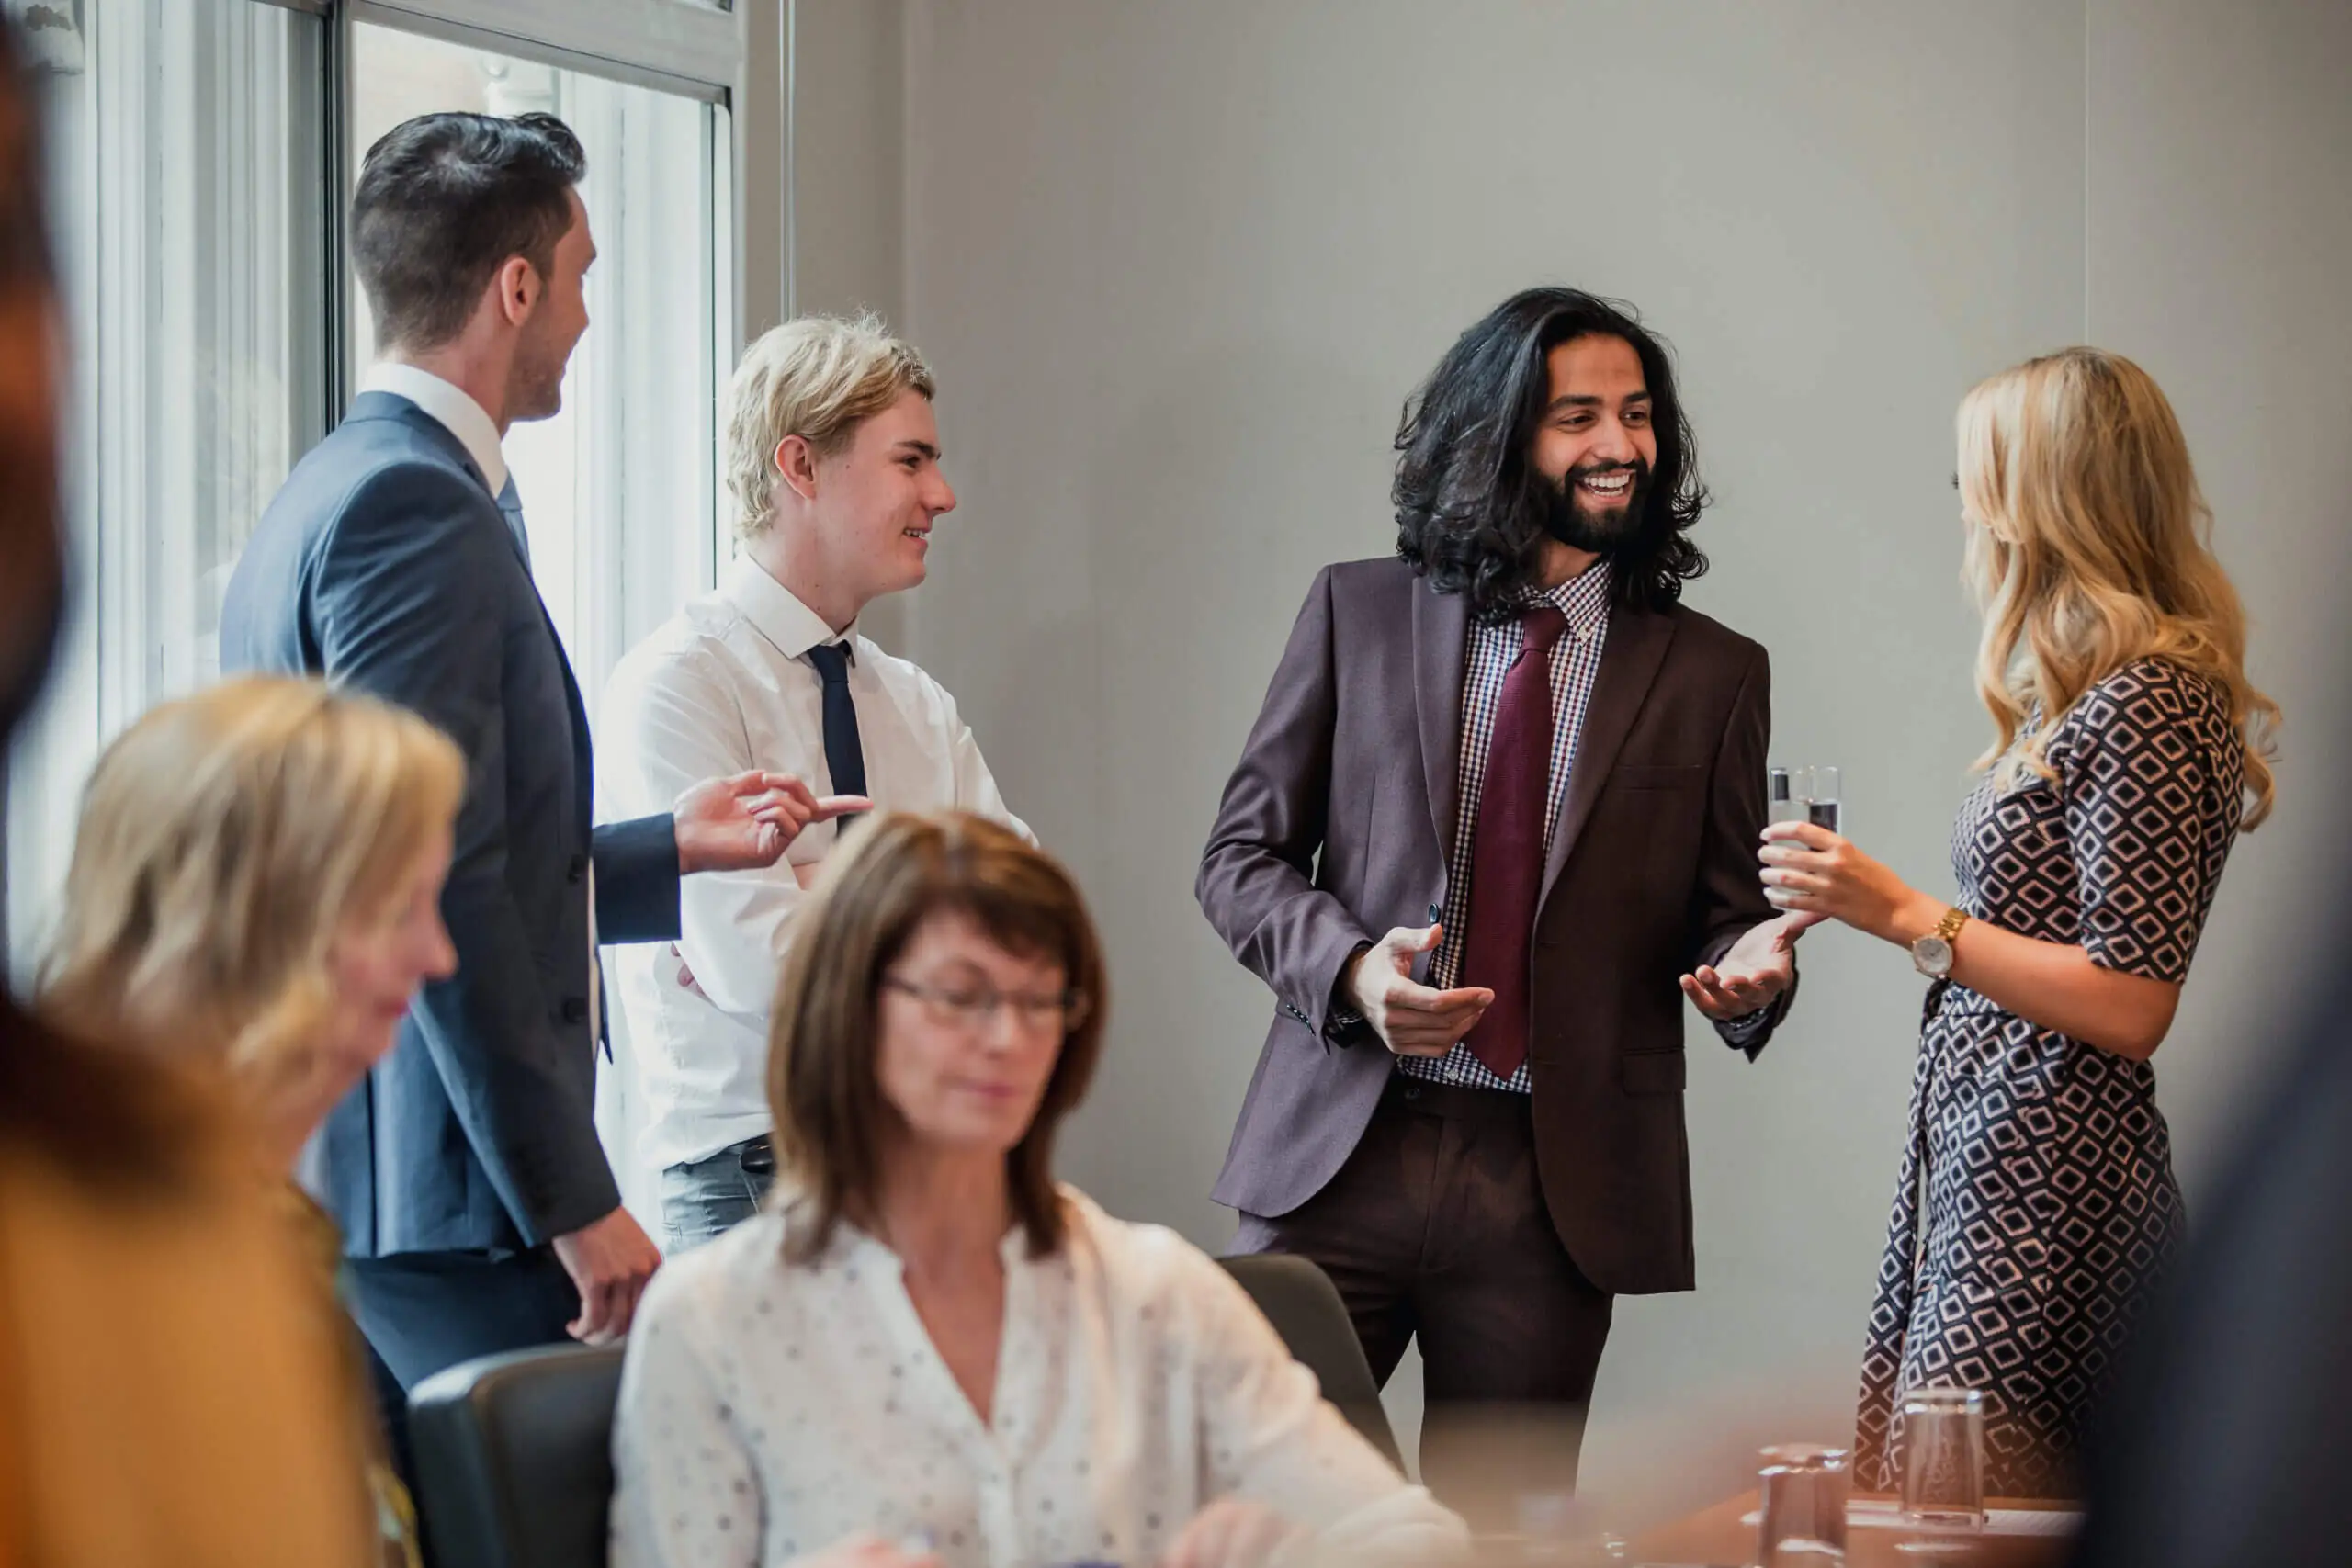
(2036, 1204)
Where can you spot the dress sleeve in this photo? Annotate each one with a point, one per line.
(1270, 1437)
(2150, 817)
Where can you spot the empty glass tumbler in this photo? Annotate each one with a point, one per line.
(1943, 1459)
(1801, 1523)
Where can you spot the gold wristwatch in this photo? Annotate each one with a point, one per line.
(1931, 954)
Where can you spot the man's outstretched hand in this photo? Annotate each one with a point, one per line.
(745, 822)
(1760, 966)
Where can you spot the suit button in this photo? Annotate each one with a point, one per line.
(575, 1009)
(577, 869)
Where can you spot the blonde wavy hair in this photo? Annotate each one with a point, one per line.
(2091, 550)
(226, 840)
(817, 378)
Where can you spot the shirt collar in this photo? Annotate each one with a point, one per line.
(452, 408)
(775, 611)
(1583, 599)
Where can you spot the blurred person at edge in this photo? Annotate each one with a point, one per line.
(169, 1391)
(2129, 748)
(255, 887)
(926, 1350)
(2225, 1440)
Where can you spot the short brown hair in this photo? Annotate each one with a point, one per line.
(897, 871)
(817, 378)
(444, 200)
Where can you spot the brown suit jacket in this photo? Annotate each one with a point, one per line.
(1332, 831)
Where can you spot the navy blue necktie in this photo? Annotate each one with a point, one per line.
(844, 755)
(510, 506)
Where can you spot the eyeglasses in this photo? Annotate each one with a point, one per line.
(974, 1008)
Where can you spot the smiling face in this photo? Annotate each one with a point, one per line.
(381, 956)
(1597, 442)
(877, 499)
(966, 1076)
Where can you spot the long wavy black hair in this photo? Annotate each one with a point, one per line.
(1471, 505)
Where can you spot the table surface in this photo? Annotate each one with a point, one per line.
(1723, 1535)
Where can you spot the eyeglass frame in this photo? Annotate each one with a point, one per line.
(976, 1012)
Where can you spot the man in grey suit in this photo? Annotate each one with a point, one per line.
(1497, 819)
(478, 1209)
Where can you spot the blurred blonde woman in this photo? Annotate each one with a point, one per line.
(2129, 748)
(255, 889)
(169, 1390)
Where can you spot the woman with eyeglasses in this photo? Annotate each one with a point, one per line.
(925, 1349)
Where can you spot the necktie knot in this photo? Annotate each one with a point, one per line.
(831, 660)
(1542, 625)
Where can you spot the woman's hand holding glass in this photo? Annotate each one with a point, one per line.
(1812, 871)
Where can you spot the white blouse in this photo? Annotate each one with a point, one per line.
(768, 1410)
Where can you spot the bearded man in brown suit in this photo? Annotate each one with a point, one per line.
(1498, 818)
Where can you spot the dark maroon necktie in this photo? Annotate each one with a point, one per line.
(1507, 844)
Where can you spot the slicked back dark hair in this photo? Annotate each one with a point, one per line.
(1470, 502)
(444, 200)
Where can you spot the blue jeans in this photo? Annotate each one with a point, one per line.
(706, 1198)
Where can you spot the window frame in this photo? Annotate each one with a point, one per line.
(737, 57)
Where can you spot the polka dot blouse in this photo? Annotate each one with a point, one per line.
(769, 1410)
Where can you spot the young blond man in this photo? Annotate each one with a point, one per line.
(833, 461)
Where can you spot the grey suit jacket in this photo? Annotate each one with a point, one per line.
(1330, 835)
(385, 563)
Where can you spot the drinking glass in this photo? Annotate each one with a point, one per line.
(1820, 790)
(1944, 1460)
(1781, 800)
(1803, 1520)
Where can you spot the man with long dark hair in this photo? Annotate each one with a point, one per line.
(1498, 816)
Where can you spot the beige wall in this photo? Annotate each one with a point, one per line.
(1178, 264)
(848, 92)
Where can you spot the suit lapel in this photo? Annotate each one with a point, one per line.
(1629, 666)
(1441, 637)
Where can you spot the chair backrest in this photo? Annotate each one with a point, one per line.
(514, 1457)
(1303, 1306)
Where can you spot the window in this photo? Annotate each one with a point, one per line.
(202, 152)
(201, 155)
(186, 162)
(619, 491)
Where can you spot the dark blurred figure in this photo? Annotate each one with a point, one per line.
(167, 1394)
(2227, 1440)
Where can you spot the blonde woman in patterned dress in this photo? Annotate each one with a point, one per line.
(2130, 748)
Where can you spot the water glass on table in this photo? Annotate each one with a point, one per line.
(1943, 1463)
(1802, 1521)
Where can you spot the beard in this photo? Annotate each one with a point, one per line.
(534, 386)
(1598, 531)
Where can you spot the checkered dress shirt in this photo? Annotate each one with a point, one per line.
(1575, 662)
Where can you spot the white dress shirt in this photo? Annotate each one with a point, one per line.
(767, 1410)
(453, 407)
(725, 687)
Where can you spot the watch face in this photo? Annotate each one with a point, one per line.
(1933, 955)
